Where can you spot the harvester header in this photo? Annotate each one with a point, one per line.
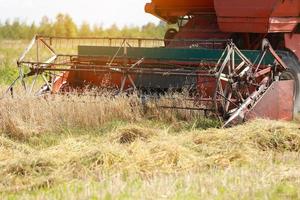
(238, 59)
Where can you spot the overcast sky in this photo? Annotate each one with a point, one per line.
(105, 12)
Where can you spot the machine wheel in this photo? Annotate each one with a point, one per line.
(169, 35)
(292, 73)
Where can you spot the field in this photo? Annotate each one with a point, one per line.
(86, 147)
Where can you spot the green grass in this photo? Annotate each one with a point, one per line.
(10, 51)
(164, 187)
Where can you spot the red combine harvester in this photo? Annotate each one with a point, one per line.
(247, 22)
(239, 59)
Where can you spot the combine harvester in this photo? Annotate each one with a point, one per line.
(239, 59)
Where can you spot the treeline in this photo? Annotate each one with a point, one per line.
(64, 25)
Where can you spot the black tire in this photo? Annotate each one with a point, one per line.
(169, 35)
(293, 72)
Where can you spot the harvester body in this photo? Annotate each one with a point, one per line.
(231, 55)
(248, 16)
(247, 22)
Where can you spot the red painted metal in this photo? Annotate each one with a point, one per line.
(80, 79)
(204, 27)
(257, 16)
(251, 16)
(277, 103)
(170, 10)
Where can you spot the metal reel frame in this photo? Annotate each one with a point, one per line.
(240, 83)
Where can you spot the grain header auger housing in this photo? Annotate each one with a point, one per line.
(237, 58)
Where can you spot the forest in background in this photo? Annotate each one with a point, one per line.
(14, 36)
(64, 25)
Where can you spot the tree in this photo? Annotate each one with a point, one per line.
(16, 29)
(29, 31)
(70, 27)
(6, 29)
(64, 25)
(85, 30)
(113, 31)
(131, 31)
(46, 27)
(149, 29)
(98, 30)
(59, 25)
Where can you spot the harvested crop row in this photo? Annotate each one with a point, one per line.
(144, 151)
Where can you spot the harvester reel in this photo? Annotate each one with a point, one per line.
(240, 83)
(233, 80)
(227, 85)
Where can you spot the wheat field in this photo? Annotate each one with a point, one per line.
(115, 147)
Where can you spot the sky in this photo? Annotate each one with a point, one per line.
(101, 12)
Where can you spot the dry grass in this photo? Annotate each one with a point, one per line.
(21, 118)
(130, 134)
(149, 153)
(24, 116)
(102, 144)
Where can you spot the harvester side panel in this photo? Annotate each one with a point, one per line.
(277, 102)
(257, 16)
